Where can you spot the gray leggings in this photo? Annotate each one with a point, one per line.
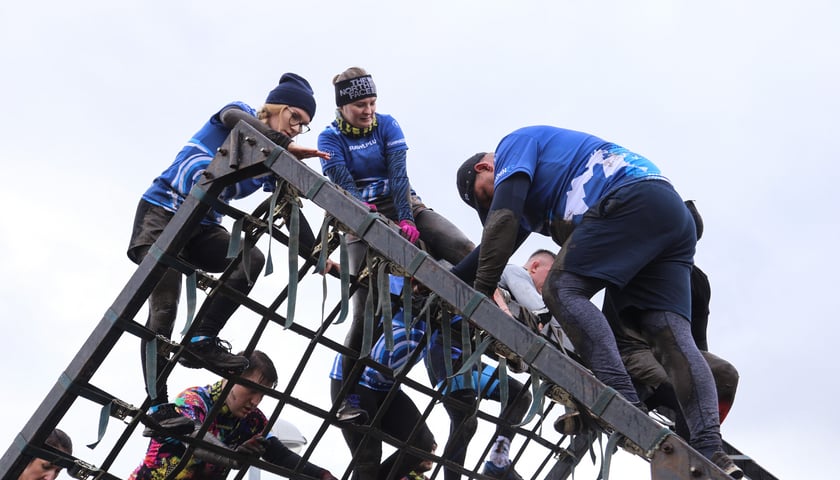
(568, 298)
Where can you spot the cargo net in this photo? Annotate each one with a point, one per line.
(419, 416)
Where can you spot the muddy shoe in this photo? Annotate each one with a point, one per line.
(351, 411)
(504, 473)
(164, 419)
(726, 464)
(214, 353)
(570, 423)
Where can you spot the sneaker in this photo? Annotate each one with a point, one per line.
(351, 411)
(506, 473)
(570, 423)
(726, 464)
(214, 353)
(164, 419)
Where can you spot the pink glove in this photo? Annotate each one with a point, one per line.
(370, 206)
(409, 230)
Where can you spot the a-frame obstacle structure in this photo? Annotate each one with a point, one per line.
(247, 153)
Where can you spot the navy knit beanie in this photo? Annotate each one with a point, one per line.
(294, 91)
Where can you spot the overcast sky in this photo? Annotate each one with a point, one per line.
(734, 101)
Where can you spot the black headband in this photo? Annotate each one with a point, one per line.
(350, 90)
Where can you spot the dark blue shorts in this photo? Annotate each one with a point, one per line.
(640, 239)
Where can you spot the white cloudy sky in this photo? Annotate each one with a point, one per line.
(735, 101)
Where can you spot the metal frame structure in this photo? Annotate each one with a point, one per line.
(247, 153)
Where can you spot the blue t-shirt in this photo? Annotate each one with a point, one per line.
(365, 157)
(569, 171)
(172, 187)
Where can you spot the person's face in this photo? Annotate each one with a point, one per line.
(360, 113)
(538, 269)
(426, 465)
(40, 469)
(242, 399)
(291, 121)
(484, 181)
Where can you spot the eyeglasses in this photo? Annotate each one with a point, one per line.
(295, 120)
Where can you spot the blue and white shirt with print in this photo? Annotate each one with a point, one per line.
(569, 171)
(172, 187)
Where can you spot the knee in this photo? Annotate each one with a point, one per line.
(551, 289)
(560, 287)
(256, 260)
(726, 380)
(469, 426)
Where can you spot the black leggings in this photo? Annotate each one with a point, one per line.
(206, 249)
(398, 421)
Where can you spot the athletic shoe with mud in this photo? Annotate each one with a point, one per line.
(570, 423)
(164, 419)
(214, 353)
(722, 460)
(351, 411)
(504, 473)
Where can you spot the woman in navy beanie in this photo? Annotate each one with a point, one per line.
(288, 109)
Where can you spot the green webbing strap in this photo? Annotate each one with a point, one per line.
(415, 263)
(235, 237)
(151, 367)
(111, 316)
(593, 455)
(322, 263)
(383, 285)
(323, 234)
(533, 350)
(104, 413)
(538, 389)
(466, 351)
(200, 194)
(612, 444)
(344, 275)
(366, 223)
(272, 204)
(446, 332)
(474, 358)
(604, 399)
(316, 187)
(272, 157)
(192, 287)
(504, 388)
(425, 341)
(473, 304)
(294, 247)
(407, 302)
(104, 416)
(368, 327)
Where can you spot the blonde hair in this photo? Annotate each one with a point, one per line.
(352, 72)
(270, 109)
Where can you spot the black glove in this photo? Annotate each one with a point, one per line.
(279, 138)
(213, 457)
(254, 447)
